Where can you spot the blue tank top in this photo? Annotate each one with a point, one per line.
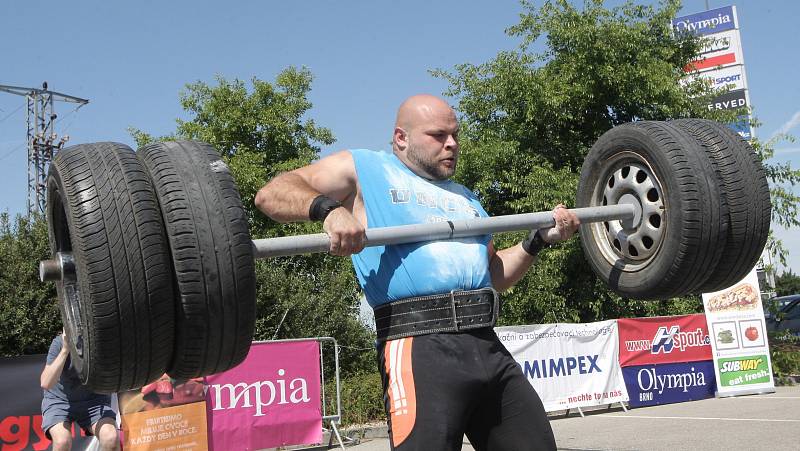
(393, 196)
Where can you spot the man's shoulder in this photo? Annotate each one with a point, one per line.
(369, 153)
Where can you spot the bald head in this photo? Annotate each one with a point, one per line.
(426, 136)
(419, 108)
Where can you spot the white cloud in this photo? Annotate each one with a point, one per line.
(790, 124)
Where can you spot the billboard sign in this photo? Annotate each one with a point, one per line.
(665, 339)
(729, 101)
(723, 49)
(667, 383)
(569, 365)
(738, 338)
(731, 78)
(707, 22)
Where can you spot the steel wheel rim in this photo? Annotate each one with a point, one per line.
(630, 245)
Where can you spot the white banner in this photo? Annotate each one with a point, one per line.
(732, 78)
(724, 49)
(739, 345)
(569, 365)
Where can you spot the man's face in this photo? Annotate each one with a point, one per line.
(432, 146)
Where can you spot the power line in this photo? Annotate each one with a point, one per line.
(66, 127)
(42, 141)
(11, 113)
(12, 151)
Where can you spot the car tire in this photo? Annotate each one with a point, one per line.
(212, 256)
(746, 192)
(682, 226)
(117, 304)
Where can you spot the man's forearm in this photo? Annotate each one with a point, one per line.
(286, 198)
(508, 266)
(52, 372)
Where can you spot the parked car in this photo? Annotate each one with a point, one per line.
(783, 313)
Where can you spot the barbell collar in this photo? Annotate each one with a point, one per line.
(445, 230)
(60, 268)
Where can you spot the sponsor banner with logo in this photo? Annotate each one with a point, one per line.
(664, 339)
(730, 100)
(722, 50)
(177, 427)
(739, 338)
(569, 365)
(731, 78)
(21, 409)
(707, 22)
(165, 413)
(271, 399)
(649, 385)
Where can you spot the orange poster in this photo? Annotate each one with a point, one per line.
(166, 429)
(166, 415)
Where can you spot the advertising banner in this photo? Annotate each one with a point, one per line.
(271, 399)
(663, 339)
(649, 385)
(177, 427)
(729, 101)
(21, 406)
(731, 78)
(707, 22)
(569, 365)
(723, 49)
(739, 339)
(164, 414)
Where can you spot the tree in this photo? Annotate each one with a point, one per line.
(529, 118)
(260, 132)
(28, 308)
(787, 283)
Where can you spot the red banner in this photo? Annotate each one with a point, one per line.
(663, 339)
(712, 61)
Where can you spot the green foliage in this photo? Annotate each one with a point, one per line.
(787, 283)
(530, 117)
(784, 351)
(362, 399)
(782, 181)
(262, 130)
(28, 308)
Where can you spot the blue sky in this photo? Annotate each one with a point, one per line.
(131, 59)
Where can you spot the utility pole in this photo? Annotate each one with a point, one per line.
(43, 142)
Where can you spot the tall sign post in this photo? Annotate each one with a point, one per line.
(721, 61)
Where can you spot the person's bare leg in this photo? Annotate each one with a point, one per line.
(61, 436)
(106, 432)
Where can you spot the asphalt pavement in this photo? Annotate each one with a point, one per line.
(755, 422)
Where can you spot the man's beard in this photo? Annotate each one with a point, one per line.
(430, 165)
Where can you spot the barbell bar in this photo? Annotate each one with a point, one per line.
(55, 269)
(445, 230)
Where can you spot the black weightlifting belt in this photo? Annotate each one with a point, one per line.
(450, 312)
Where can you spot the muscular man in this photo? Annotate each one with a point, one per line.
(66, 401)
(445, 373)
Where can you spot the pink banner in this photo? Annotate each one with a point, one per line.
(271, 399)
